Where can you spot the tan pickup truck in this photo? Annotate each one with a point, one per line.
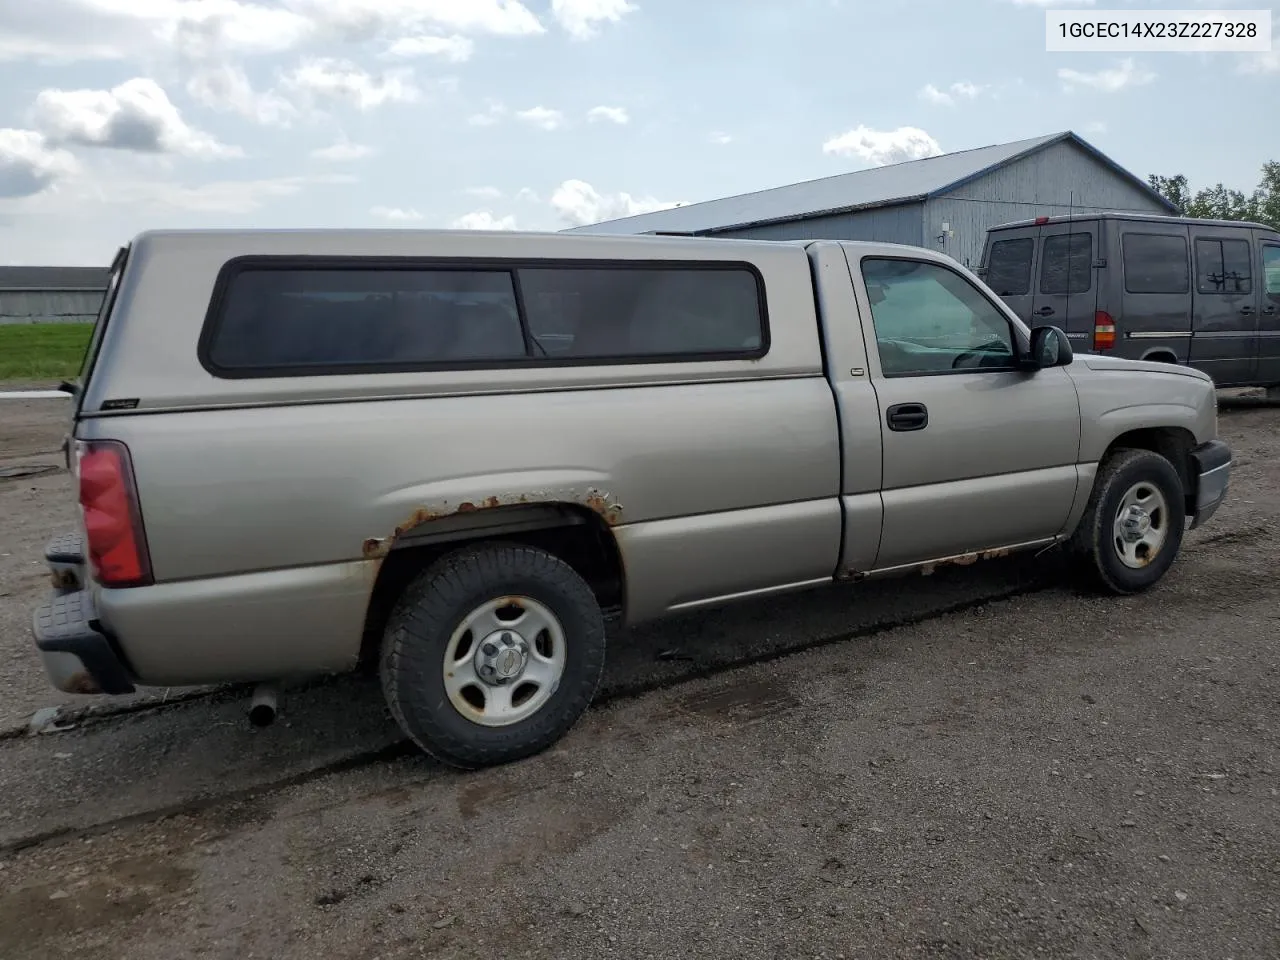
(454, 454)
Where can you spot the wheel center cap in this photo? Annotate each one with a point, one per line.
(501, 657)
(1136, 524)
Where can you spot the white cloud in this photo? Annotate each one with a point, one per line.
(28, 165)
(491, 115)
(340, 80)
(137, 115)
(960, 90)
(483, 220)
(719, 137)
(342, 152)
(544, 118)
(226, 87)
(579, 203)
(218, 198)
(454, 49)
(579, 18)
(1054, 3)
(223, 30)
(485, 193)
(1267, 62)
(1108, 80)
(361, 19)
(1095, 126)
(529, 196)
(209, 29)
(14, 46)
(396, 214)
(616, 115)
(879, 147)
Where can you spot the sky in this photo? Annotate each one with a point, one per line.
(118, 116)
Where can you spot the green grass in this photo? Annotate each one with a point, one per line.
(42, 351)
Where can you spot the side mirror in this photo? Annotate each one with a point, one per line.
(1049, 348)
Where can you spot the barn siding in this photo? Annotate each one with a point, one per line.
(896, 224)
(43, 306)
(1053, 182)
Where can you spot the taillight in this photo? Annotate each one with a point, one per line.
(1104, 331)
(117, 548)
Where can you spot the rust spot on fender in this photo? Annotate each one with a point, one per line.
(599, 502)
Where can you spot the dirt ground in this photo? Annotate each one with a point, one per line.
(981, 764)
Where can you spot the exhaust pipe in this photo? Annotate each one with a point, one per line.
(262, 708)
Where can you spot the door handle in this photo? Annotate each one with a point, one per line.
(1246, 310)
(903, 417)
(1269, 310)
(1045, 311)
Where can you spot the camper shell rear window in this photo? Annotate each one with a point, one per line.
(282, 317)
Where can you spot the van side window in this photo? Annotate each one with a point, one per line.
(1155, 263)
(929, 319)
(1067, 263)
(294, 319)
(1009, 267)
(1223, 266)
(1271, 269)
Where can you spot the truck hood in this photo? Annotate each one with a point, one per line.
(1103, 363)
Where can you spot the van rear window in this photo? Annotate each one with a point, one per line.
(272, 318)
(1009, 267)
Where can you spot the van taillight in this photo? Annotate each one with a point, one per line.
(117, 548)
(1104, 331)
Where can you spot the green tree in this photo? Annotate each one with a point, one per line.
(1219, 202)
(1173, 189)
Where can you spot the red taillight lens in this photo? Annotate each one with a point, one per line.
(1104, 331)
(112, 521)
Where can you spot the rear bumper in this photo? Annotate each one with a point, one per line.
(1211, 463)
(79, 655)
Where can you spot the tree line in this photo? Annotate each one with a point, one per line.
(1221, 203)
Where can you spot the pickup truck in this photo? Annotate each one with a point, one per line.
(451, 456)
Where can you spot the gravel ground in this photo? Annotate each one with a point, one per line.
(1046, 775)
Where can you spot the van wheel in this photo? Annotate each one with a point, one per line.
(492, 654)
(1132, 529)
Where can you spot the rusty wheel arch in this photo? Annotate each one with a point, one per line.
(578, 531)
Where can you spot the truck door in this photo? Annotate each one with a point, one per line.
(1225, 313)
(1268, 283)
(976, 454)
(1009, 266)
(1066, 292)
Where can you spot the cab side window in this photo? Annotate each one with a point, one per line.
(929, 319)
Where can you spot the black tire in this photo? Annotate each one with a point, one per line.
(430, 610)
(1094, 541)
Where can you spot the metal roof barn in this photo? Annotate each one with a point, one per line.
(945, 202)
(51, 294)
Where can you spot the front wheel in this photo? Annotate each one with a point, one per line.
(492, 654)
(1132, 529)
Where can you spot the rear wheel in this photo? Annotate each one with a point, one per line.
(1132, 529)
(492, 654)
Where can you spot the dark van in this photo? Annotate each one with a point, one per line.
(1205, 293)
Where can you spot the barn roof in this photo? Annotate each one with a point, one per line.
(911, 181)
(54, 279)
